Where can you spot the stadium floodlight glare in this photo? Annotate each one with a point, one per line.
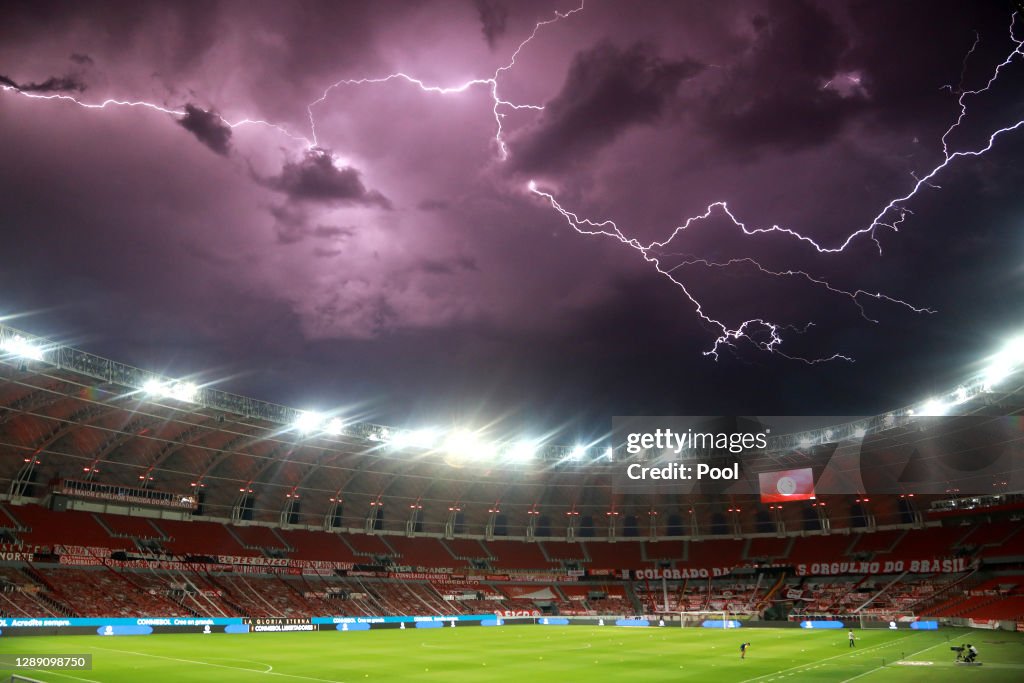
(934, 408)
(1004, 364)
(308, 422)
(860, 432)
(154, 387)
(609, 453)
(577, 453)
(522, 451)
(415, 438)
(23, 348)
(334, 427)
(425, 438)
(960, 395)
(806, 442)
(468, 445)
(186, 392)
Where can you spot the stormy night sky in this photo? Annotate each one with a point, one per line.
(375, 247)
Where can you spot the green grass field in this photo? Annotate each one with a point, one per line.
(533, 654)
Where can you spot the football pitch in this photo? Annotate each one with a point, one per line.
(531, 653)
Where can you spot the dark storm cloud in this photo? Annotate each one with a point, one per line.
(493, 17)
(292, 225)
(336, 231)
(394, 309)
(448, 267)
(607, 90)
(433, 205)
(317, 179)
(208, 128)
(55, 84)
(905, 79)
(84, 60)
(776, 95)
(321, 252)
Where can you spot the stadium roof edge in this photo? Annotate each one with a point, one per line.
(29, 348)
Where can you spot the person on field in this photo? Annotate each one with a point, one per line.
(853, 639)
(743, 650)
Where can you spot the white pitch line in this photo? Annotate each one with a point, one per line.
(247, 661)
(877, 668)
(845, 654)
(54, 673)
(220, 666)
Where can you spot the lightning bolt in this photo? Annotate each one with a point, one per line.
(891, 216)
(764, 334)
(498, 103)
(180, 113)
(726, 336)
(854, 295)
(498, 108)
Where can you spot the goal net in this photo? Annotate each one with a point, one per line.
(706, 619)
(884, 621)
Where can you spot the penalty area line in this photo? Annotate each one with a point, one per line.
(845, 654)
(879, 668)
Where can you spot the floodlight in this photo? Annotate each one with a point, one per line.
(154, 387)
(19, 346)
(934, 408)
(334, 427)
(417, 438)
(609, 453)
(308, 422)
(465, 444)
(1004, 363)
(860, 432)
(184, 391)
(425, 438)
(577, 453)
(522, 451)
(994, 374)
(806, 442)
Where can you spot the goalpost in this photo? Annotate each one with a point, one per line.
(698, 618)
(880, 621)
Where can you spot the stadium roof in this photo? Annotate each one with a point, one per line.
(67, 414)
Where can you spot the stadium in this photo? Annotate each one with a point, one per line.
(353, 341)
(146, 505)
